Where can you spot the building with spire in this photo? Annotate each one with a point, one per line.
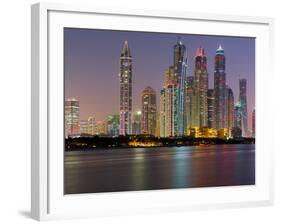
(220, 89)
(125, 79)
(172, 100)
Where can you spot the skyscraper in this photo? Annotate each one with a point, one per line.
(189, 102)
(162, 114)
(219, 89)
(201, 88)
(254, 123)
(87, 127)
(170, 94)
(236, 130)
(149, 111)
(180, 70)
(136, 126)
(237, 115)
(230, 109)
(243, 104)
(113, 124)
(211, 108)
(125, 76)
(172, 99)
(72, 118)
(91, 125)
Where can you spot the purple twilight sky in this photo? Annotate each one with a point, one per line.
(91, 63)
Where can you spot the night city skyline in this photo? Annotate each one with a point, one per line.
(147, 111)
(92, 65)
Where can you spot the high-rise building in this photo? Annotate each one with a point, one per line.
(243, 104)
(113, 124)
(170, 106)
(211, 108)
(189, 102)
(87, 127)
(180, 69)
(91, 125)
(101, 128)
(149, 112)
(162, 114)
(230, 109)
(136, 126)
(237, 115)
(157, 134)
(201, 88)
(172, 100)
(219, 89)
(125, 76)
(72, 118)
(84, 127)
(254, 123)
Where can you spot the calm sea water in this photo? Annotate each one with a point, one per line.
(159, 168)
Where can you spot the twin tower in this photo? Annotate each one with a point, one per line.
(184, 100)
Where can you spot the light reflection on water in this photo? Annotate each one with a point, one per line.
(159, 168)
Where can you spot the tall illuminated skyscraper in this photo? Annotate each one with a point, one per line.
(172, 99)
(189, 102)
(162, 114)
(243, 104)
(149, 111)
(237, 115)
(125, 78)
(72, 118)
(170, 94)
(219, 89)
(201, 88)
(230, 109)
(180, 70)
(211, 108)
(236, 131)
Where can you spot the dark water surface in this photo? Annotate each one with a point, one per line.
(159, 168)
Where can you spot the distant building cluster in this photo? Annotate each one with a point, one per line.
(188, 107)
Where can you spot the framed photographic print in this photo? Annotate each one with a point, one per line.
(148, 111)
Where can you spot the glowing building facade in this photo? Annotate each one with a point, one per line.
(72, 118)
(113, 125)
(201, 89)
(136, 126)
(172, 100)
(149, 112)
(254, 123)
(243, 104)
(219, 89)
(125, 78)
(230, 109)
(189, 102)
(211, 108)
(87, 127)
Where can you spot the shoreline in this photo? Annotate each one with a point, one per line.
(146, 147)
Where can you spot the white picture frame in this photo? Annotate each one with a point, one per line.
(48, 201)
